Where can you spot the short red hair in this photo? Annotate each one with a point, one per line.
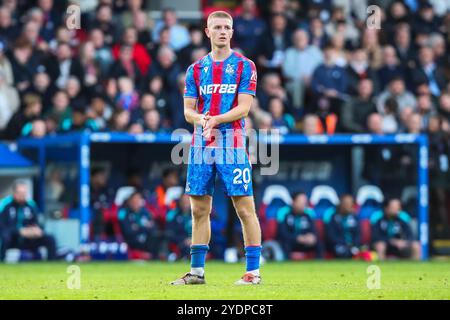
(219, 14)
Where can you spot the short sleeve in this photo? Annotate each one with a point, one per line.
(190, 87)
(248, 78)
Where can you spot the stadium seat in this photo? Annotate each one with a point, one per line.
(173, 193)
(274, 198)
(369, 199)
(122, 194)
(323, 198)
(276, 191)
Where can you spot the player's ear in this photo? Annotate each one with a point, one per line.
(207, 32)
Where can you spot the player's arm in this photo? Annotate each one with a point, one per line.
(190, 111)
(190, 99)
(240, 111)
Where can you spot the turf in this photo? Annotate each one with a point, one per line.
(291, 280)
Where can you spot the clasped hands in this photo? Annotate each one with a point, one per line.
(208, 123)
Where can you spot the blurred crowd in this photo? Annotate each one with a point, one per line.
(323, 68)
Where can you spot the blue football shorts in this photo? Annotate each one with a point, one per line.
(231, 164)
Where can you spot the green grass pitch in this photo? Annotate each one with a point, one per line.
(290, 280)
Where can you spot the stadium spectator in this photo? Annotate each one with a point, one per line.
(51, 19)
(141, 24)
(152, 122)
(248, 28)
(132, 8)
(8, 29)
(63, 65)
(166, 68)
(425, 19)
(444, 106)
(428, 71)
(339, 24)
(147, 102)
(402, 44)
(156, 87)
(139, 52)
(310, 125)
(173, 117)
(91, 69)
(32, 110)
(78, 121)
(437, 44)
(127, 97)
(120, 121)
(23, 64)
(280, 120)
(101, 199)
(359, 69)
(139, 229)
(103, 20)
(35, 129)
(329, 82)
(9, 100)
(342, 229)
(179, 35)
(274, 43)
(425, 108)
(20, 227)
(60, 109)
(125, 66)
(179, 227)
(296, 229)
(371, 43)
(75, 92)
(392, 234)
(170, 179)
(186, 54)
(5, 64)
(354, 113)
(375, 123)
(318, 36)
(99, 111)
(390, 122)
(391, 67)
(414, 124)
(43, 87)
(103, 54)
(397, 90)
(299, 64)
(271, 87)
(164, 42)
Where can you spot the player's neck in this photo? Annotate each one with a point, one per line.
(220, 54)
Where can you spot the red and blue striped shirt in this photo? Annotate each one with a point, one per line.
(216, 86)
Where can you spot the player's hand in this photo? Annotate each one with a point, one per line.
(204, 119)
(210, 125)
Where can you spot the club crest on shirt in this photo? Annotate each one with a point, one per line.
(229, 69)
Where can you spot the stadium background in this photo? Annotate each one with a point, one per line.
(126, 76)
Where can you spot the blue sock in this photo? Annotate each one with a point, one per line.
(252, 255)
(198, 255)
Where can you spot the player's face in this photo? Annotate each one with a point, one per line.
(220, 31)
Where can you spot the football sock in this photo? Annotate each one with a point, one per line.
(198, 257)
(252, 256)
